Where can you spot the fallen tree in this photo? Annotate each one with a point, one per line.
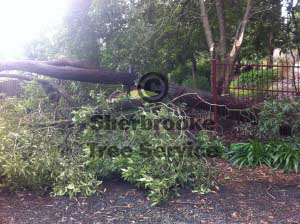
(80, 71)
(65, 70)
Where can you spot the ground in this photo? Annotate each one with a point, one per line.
(245, 196)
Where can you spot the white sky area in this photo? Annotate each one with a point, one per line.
(22, 21)
(284, 12)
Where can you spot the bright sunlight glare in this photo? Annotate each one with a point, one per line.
(21, 21)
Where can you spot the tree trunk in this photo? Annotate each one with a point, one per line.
(239, 38)
(192, 98)
(271, 48)
(224, 72)
(194, 70)
(228, 74)
(70, 73)
(206, 26)
(222, 29)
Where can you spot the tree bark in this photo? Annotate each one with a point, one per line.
(271, 48)
(71, 63)
(221, 46)
(222, 30)
(177, 94)
(239, 38)
(194, 70)
(207, 28)
(224, 71)
(70, 73)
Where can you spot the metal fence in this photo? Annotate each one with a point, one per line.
(251, 83)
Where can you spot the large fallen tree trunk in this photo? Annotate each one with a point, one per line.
(79, 71)
(64, 71)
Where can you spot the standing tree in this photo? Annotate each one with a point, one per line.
(224, 53)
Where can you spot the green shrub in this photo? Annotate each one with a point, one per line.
(249, 154)
(38, 157)
(255, 79)
(277, 114)
(182, 74)
(75, 178)
(279, 155)
(201, 82)
(210, 148)
(286, 156)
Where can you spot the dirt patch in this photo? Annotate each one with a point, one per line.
(245, 196)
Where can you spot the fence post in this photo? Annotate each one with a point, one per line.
(214, 91)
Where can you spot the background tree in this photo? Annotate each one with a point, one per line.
(174, 37)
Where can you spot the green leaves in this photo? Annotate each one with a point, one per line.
(278, 114)
(248, 154)
(210, 148)
(158, 160)
(73, 161)
(279, 155)
(287, 156)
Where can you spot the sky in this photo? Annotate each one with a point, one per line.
(21, 21)
(285, 5)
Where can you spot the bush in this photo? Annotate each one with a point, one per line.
(279, 116)
(279, 155)
(35, 165)
(182, 74)
(201, 82)
(255, 79)
(210, 148)
(250, 154)
(286, 156)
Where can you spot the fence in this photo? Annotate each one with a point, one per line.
(9, 88)
(251, 83)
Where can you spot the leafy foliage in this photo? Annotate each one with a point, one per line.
(155, 159)
(284, 155)
(256, 78)
(249, 154)
(210, 148)
(39, 158)
(38, 155)
(276, 115)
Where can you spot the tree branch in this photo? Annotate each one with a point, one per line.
(206, 26)
(241, 31)
(221, 21)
